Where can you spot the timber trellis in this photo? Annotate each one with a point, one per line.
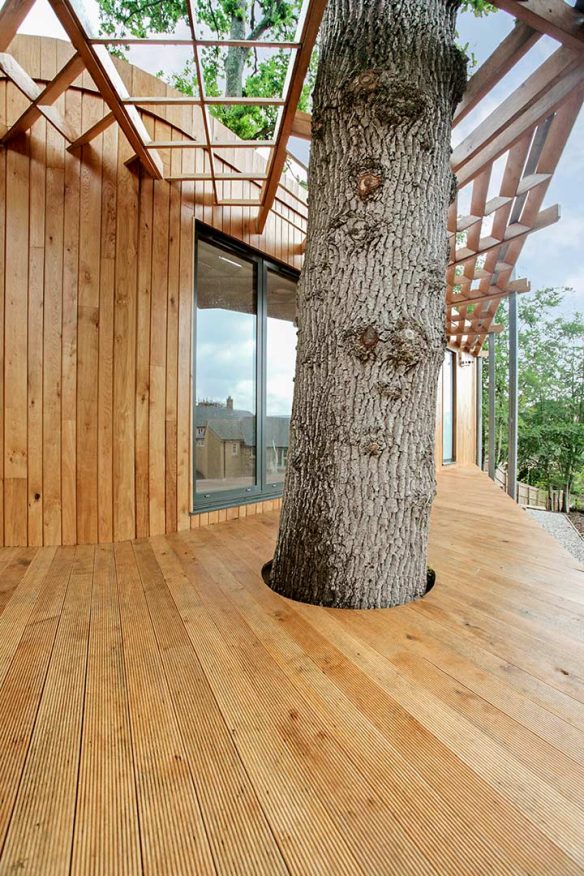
(528, 131)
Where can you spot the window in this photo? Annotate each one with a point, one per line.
(244, 358)
(448, 400)
(280, 363)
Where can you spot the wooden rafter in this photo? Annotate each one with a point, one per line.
(505, 56)
(94, 131)
(12, 15)
(313, 11)
(201, 89)
(536, 86)
(46, 98)
(302, 125)
(19, 77)
(192, 42)
(107, 79)
(547, 104)
(530, 127)
(553, 17)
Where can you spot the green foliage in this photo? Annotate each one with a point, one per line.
(551, 392)
(236, 71)
(478, 7)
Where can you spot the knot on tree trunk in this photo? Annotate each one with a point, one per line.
(407, 343)
(392, 100)
(369, 178)
(394, 388)
(361, 229)
(363, 340)
(374, 443)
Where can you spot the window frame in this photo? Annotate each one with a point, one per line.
(453, 370)
(261, 490)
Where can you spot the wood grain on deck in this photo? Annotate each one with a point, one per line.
(163, 712)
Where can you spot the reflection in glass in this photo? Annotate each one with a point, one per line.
(448, 407)
(225, 413)
(281, 357)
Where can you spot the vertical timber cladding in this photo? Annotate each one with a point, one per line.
(96, 302)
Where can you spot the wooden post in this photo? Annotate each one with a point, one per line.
(479, 411)
(513, 397)
(492, 406)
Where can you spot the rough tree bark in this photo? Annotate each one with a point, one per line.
(361, 477)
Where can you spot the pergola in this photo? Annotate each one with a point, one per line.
(528, 131)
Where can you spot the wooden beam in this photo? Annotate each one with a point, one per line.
(543, 220)
(490, 329)
(94, 131)
(101, 68)
(12, 15)
(512, 107)
(549, 101)
(222, 144)
(34, 93)
(224, 177)
(313, 12)
(552, 17)
(51, 93)
(187, 100)
(302, 125)
(506, 55)
(182, 41)
(494, 292)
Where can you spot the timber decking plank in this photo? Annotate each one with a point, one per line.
(40, 831)
(17, 611)
(171, 826)
(107, 837)
(12, 572)
(435, 761)
(299, 819)
(388, 774)
(222, 783)
(23, 675)
(163, 711)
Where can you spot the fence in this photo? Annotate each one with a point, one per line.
(534, 497)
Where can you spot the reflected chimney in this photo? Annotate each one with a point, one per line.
(229, 403)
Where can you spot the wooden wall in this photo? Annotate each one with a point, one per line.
(96, 296)
(466, 434)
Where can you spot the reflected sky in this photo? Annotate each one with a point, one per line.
(225, 357)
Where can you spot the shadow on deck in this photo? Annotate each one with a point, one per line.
(162, 711)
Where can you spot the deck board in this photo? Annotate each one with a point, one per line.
(162, 711)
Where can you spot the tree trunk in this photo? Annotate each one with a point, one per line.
(235, 59)
(361, 476)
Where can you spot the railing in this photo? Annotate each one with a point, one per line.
(534, 497)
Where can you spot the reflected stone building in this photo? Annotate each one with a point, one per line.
(226, 445)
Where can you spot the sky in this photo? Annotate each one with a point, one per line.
(551, 257)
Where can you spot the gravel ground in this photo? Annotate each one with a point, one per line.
(562, 530)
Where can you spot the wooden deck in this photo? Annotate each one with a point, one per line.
(162, 711)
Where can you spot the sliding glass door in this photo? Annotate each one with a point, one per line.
(244, 357)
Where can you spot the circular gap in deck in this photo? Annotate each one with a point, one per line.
(430, 581)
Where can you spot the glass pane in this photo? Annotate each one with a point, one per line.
(448, 407)
(281, 358)
(225, 413)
